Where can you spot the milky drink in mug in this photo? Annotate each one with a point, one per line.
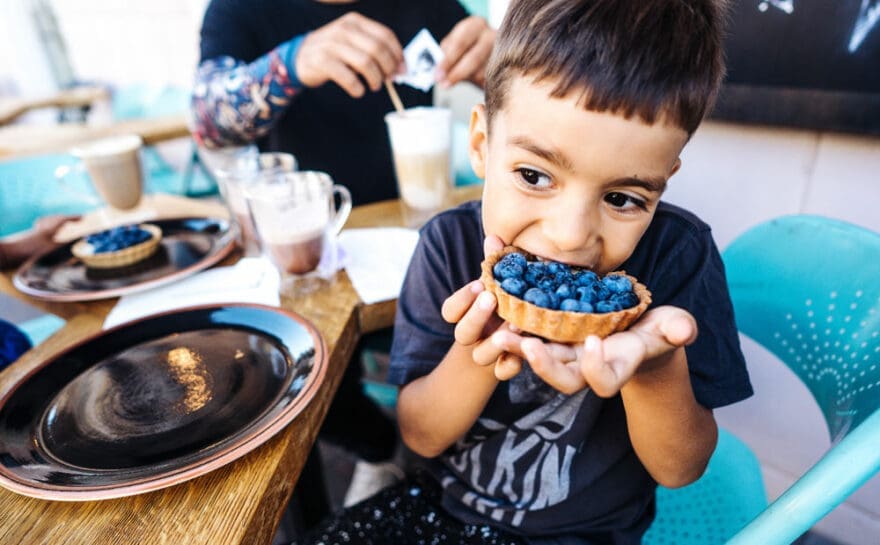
(420, 140)
(234, 177)
(114, 166)
(297, 220)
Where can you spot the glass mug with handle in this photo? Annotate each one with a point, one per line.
(248, 167)
(297, 219)
(114, 167)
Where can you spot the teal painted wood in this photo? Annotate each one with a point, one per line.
(808, 289)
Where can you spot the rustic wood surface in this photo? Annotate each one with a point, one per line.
(240, 503)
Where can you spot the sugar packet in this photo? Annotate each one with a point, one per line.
(422, 55)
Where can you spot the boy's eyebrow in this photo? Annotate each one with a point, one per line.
(549, 154)
(656, 185)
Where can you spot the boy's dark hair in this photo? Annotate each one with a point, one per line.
(651, 58)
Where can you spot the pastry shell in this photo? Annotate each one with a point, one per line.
(83, 250)
(559, 325)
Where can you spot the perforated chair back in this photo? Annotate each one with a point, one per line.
(807, 288)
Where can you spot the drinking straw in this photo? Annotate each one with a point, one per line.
(395, 98)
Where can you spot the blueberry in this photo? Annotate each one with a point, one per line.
(617, 283)
(608, 306)
(593, 293)
(538, 275)
(626, 300)
(514, 286)
(538, 297)
(585, 307)
(505, 270)
(585, 278)
(564, 291)
(571, 305)
(560, 271)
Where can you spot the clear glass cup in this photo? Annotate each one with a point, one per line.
(233, 178)
(114, 168)
(297, 218)
(420, 143)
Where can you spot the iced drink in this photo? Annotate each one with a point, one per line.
(420, 139)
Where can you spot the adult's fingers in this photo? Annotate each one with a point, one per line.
(342, 74)
(472, 64)
(386, 55)
(380, 33)
(462, 36)
(363, 64)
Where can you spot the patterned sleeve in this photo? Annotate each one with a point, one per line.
(234, 103)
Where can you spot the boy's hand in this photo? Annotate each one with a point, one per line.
(608, 365)
(472, 309)
(349, 51)
(466, 50)
(605, 365)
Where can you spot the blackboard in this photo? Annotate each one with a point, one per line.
(803, 63)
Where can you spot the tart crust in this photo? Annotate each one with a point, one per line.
(120, 258)
(559, 325)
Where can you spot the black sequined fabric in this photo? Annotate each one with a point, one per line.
(408, 513)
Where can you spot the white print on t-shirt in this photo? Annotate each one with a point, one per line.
(533, 464)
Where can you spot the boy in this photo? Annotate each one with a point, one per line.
(588, 106)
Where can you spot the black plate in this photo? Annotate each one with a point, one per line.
(155, 402)
(188, 245)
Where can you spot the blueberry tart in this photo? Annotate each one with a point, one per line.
(559, 302)
(118, 247)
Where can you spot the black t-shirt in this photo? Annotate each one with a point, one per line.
(325, 128)
(553, 467)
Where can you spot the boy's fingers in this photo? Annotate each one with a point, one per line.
(605, 373)
(457, 304)
(470, 328)
(507, 366)
(565, 378)
(500, 342)
(491, 244)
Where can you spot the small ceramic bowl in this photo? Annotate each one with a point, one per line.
(119, 258)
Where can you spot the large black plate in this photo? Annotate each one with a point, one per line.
(188, 245)
(155, 402)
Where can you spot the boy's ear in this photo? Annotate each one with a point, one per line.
(478, 142)
(675, 167)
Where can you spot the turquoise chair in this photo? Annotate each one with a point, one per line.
(707, 512)
(808, 289)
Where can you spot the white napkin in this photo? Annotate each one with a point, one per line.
(251, 280)
(377, 259)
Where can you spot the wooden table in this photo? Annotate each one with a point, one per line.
(240, 503)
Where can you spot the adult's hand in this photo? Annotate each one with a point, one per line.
(466, 51)
(349, 51)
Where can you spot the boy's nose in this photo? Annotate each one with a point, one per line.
(572, 228)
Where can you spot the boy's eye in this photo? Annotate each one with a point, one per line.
(624, 201)
(533, 177)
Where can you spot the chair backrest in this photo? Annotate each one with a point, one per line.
(807, 288)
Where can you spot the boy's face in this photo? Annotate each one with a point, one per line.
(568, 184)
